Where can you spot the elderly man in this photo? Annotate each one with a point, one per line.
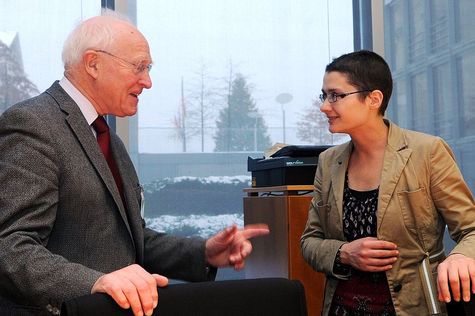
(70, 220)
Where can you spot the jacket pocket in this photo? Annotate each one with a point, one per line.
(417, 213)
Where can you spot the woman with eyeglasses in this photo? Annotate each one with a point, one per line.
(382, 201)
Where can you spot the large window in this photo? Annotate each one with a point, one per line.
(31, 37)
(231, 78)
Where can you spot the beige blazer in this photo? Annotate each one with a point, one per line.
(421, 191)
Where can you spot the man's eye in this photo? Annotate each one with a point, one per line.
(144, 67)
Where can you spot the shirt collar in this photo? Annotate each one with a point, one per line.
(86, 107)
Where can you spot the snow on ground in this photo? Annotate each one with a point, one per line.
(161, 183)
(194, 225)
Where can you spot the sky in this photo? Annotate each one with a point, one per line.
(280, 46)
(43, 27)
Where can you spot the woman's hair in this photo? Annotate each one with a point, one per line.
(365, 70)
(89, 35)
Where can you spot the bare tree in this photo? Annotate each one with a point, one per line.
(182, 132)
(203, 100)
(313, 127)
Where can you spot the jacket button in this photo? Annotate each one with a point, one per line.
(397, 287)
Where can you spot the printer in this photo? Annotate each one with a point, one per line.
(290, 165)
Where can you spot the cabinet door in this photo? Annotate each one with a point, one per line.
(270, 253)
(278, 254)
(298, 268)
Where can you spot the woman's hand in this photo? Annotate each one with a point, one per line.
(369, 254)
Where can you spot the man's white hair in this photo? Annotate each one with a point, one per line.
(90, 36)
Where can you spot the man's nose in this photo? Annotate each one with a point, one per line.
(145, 80)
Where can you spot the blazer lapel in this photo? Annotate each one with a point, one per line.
(338, 170)
(83, 133)
(395, 159)
(132, 192)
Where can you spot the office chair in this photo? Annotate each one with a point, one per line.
(250, 297)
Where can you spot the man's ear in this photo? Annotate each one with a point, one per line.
(91, 63)
(376, 99)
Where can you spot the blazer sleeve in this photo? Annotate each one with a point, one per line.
(318, 244)
(176, 257)
(30, 178)
(452, 198)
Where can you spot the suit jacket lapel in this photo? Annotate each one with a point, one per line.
(132, 191)
(395, 159)
(83, 133)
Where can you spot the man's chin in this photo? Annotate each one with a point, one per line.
(128, 112)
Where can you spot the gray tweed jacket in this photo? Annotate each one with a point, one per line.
(62, 222)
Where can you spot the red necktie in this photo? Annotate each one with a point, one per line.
(103, 138)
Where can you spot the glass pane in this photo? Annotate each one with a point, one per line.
(468, 165)
(442, 104)
(439, 24)
(420, 119)
(394, 37)
(465, 22)
(31, 40)
(416, 27)
(401, 107)
(466, 73)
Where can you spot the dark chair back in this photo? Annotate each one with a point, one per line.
(462, 308)
(251, 297)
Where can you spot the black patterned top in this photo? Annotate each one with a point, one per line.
(364, 293)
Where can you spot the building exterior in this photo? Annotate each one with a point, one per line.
(430, 47)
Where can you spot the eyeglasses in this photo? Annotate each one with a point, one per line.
(138, 68)
(333, 97)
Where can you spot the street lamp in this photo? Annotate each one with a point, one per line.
(282, 99)
(254, 115)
